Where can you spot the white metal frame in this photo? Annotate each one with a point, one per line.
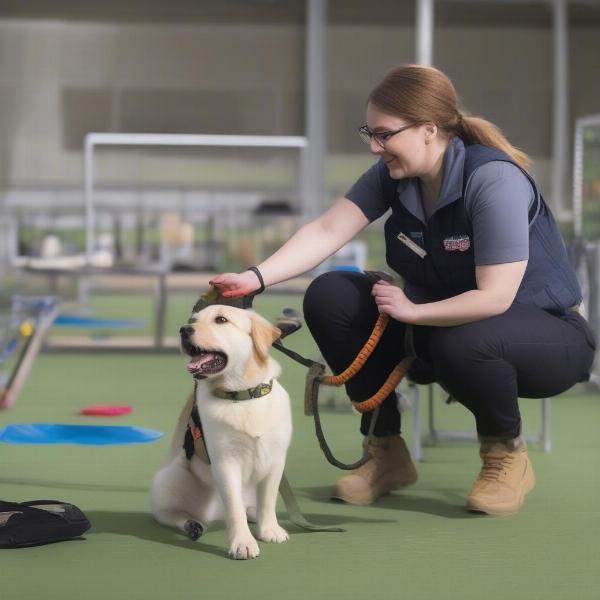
(436, 435)
(93, 140)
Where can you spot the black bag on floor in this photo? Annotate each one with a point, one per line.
(39, 522)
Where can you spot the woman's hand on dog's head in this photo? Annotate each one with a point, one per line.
(234, 285)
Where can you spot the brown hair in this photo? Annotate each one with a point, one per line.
(421, 94)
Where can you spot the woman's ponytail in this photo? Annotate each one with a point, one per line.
(476, 130)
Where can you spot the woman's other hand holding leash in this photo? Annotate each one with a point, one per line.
(392, 301)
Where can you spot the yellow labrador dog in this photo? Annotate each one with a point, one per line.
(245, 428)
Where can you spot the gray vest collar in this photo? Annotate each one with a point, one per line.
(409, 191)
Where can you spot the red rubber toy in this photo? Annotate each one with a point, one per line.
(106, 410)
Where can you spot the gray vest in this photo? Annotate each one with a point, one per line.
(448, 267)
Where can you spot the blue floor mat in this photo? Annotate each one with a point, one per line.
(95, 435)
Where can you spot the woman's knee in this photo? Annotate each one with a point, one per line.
(334, 293)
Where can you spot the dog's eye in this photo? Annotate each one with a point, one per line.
(220, 319)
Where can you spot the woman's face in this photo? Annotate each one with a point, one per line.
(404, 153)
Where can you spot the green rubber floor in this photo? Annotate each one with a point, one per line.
(415, 544)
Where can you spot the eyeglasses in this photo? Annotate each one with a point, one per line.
(381, 137)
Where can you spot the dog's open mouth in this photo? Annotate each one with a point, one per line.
(204, 362)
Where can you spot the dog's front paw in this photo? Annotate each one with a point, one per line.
(273, 534)
(243, 547)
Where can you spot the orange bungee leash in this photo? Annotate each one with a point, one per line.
(394, 378)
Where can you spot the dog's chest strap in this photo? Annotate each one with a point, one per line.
(193, 442)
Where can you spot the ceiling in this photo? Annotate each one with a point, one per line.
(448, 13)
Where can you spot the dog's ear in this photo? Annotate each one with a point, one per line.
(263, 335)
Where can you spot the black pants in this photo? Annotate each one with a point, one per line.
(485, 365)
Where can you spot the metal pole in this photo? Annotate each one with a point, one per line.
(560, 109)
(546, 439)
(432, 430)
(313, 171)
(416, 408)
(424, 32)
(88, 183)
(578, 180)
(160, 308)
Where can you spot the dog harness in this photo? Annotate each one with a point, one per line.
(193, 441)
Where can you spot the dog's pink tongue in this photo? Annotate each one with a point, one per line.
(196, 363)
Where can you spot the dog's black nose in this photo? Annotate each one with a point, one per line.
(186, 331)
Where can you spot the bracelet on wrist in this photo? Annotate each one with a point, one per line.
(260, 279)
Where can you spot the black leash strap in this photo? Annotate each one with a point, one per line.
(314, 378)
(294, 355)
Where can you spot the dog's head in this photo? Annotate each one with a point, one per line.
(222, 339)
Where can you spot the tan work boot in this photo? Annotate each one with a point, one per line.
(505, 477)
(390, 467)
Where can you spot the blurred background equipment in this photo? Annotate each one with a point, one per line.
(24, 323)
(135, 161)
(585, 248)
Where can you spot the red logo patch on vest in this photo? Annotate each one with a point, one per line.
(457, 242)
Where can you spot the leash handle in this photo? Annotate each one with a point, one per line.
(321, 436)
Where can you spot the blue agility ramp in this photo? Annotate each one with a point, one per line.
(23, 329)
(94, 435)
(81, 321)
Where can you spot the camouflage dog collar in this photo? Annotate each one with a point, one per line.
(262, 389)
